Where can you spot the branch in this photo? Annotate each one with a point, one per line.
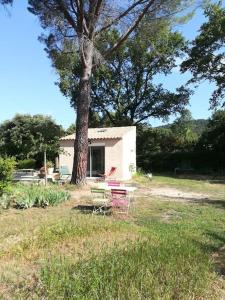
(142, 119)
(103, 107)
(83, 58)
(93, 14)
(67, 15)
(98, 7)
(126, 12)
(82, 26)
(73, 8)
(129, 31)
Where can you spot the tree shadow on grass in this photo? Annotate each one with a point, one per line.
(207, 201)
(212, 179)
(216, 248)
(89, 209)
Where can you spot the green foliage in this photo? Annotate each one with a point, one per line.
(123, 91)
(198, 126)
(71, 129)
(26, 196)
(194, 161)
(207, 56)
(7, 166)
(183, 130)
(163, 141)
(50, 164)
(26, 164)
(27, 136)
(179, 145)
(213, 139)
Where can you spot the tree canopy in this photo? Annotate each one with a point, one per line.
(27, 136)
(84, 23)
(123, 89)
(213, 138)
(206, 57)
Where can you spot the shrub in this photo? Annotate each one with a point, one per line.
(26, 164)
(27, 196)
(7, 166)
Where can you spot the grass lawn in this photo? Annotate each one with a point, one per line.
(165, 249)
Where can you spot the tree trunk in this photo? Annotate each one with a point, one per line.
(83, 105)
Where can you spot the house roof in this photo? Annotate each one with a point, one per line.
(103, 133)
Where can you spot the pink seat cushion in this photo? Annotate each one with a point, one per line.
(113, 183)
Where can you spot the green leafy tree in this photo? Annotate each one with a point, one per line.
(27, 136)
(183, 131)
(180, 136)
(70, 130)
(83, 23)
(123, 89)
(213, 139)
(206, 57)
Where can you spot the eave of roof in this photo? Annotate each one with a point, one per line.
(103, 133)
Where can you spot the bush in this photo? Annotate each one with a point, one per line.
(26, 164)
(27, 196)
(204, 162)
(7, 166)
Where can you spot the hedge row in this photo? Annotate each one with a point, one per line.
(197, 161)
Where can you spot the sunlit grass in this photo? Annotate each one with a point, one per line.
(141, 270)
(189, 185)
(163, 250)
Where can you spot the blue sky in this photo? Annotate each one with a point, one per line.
(27, 80)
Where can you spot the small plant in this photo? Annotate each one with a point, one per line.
(50, 164)
(27, 196)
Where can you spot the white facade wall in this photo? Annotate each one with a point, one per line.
(67, 153)
(129, 153)
(119, 153)
(113, 157)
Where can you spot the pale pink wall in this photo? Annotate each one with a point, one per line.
(113, 155)
(129, 153)
(66, 156)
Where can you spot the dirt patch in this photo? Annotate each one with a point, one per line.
(176, 194)
(83, 194)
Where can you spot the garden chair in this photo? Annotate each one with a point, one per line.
(108, 174)
(99, 201)
(113, 183)
(64, 175)
(120, 201)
